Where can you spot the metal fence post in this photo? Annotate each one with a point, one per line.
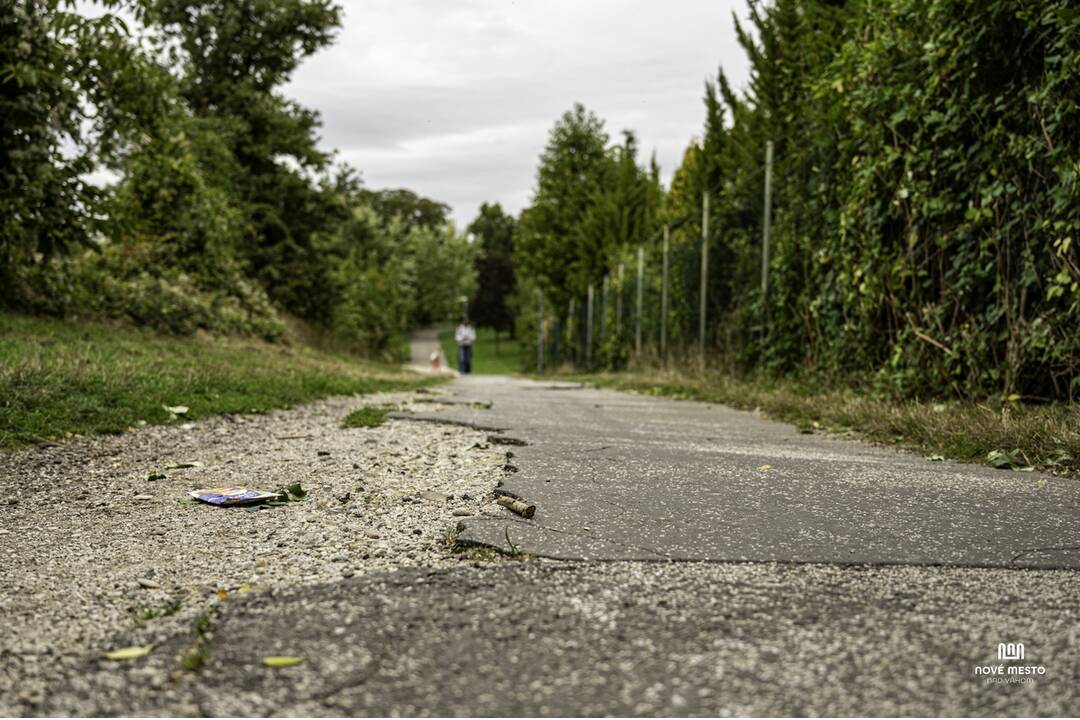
(618, 300)
(704, 275)
(664, 299)
(640, 296)
(603, 308)
(539, 331)
(588, 328)
(571, 328)
(766, 226)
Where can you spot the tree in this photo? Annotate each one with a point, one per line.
(622, 211)
(413, 210)
(493, 231)
(574, 166)
(74, 91)
(233, 55)
(445, 272)
(373, 282)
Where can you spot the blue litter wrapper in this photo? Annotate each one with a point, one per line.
(231, 496)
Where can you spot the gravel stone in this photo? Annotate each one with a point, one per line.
(78, 579)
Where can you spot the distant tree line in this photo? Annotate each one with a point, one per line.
(224, 214)
(926, 203)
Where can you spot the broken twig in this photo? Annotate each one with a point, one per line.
(522, 508)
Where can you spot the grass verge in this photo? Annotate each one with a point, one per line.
(1008, 436)
(489, 357)
(59, 378)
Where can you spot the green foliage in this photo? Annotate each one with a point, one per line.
(574, 167)
(593, 206)
(445, 272)
(493, 228)
(294, 492)
(926, 192)
(387, 277)
(225, 215)
(411, 209)
(926, 202)
(233, 56)
(373, 283)
(957, 214)
(72, 92)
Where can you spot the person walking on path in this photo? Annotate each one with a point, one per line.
(465, 336)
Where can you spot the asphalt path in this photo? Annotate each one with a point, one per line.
(631, 477)
(424, 344)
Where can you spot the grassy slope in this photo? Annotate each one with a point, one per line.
(1047, 437)
(486, 361)
(58, 378)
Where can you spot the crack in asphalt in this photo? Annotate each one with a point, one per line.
(548, 528)
(1032, 551)
(445, 421)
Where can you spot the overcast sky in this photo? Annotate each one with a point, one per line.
(454, 99)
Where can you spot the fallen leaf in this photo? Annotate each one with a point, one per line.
(222, 593)
(294, 492)
(1005, 459)
(279, 661)
(129, 653)
(764, 467)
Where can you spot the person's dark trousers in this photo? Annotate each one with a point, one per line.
(464, 359)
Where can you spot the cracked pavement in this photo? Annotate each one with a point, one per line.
(685, 559)
(630, 477)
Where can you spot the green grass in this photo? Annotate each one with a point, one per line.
(59, 378)
(367, 416)
(196, 657)
(145, 614)
(486, 360)
(1046, 437)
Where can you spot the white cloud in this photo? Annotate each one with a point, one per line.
(455, 99)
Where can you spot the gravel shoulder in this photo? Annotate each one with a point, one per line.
(99, 556)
